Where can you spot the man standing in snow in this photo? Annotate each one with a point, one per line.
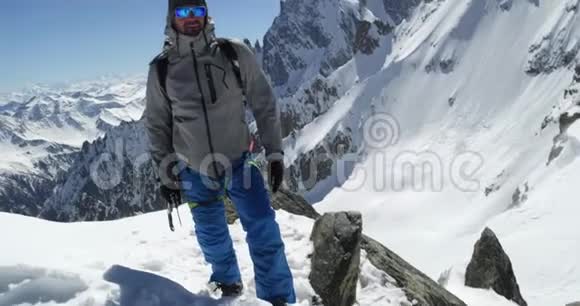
(197, 93)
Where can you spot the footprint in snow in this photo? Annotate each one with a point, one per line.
(30, 285)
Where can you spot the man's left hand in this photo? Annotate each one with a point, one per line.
(275, 175)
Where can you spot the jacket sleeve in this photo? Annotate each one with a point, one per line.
(158, 119)
(262, 102)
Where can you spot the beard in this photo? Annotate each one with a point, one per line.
(192, 28)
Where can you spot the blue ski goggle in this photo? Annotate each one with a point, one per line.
(186, 11)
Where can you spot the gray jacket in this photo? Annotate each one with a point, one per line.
(178, 120)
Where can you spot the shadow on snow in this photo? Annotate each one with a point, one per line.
(140, 288)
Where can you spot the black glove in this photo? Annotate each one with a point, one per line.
(275, 175)
(169, 182)
(171, 196)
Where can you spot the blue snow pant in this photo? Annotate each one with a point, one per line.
(244, 185)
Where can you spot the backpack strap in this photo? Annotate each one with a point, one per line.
(231, 54)
(161, 64)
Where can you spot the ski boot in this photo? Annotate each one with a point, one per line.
(279, 302)
(233, 290)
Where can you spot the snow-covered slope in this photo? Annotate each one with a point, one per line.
(67, 262)
(475, 90)
(138, 262)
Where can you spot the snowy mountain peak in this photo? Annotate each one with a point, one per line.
(311, 38)
(70, 114)
(43, 127)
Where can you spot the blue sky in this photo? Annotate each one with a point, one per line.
(62, 40)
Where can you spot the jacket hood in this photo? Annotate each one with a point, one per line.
(181, 45)
(173, 40)
(169, 31)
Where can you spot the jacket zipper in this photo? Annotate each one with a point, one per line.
(211, 84)
(204, 106)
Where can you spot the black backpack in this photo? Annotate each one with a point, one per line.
(161, 63)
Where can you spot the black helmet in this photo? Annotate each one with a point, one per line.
(173, 4)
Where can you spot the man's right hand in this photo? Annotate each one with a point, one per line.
(171, 196)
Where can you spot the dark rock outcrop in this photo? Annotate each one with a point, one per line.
(336, 258)
(520, 196)
(573, 304)
(321, 162)
(284, 200)
(23, 192)
(111, 178)
(565, 117)
(491, 268)
(559, 141)
(314, 99)
(19, 193)
(417, 286)
(399, 10)
(293, 204)
(364, 42)
(555, 49)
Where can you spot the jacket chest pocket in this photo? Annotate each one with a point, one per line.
(217, 82)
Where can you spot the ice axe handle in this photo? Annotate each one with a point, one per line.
(170, 219)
